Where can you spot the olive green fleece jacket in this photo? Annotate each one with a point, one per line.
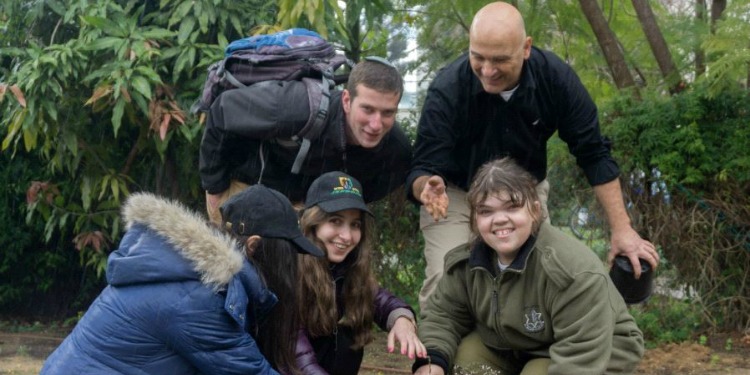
(555, 300)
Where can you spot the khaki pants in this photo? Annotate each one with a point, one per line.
(447, 234)
(475, 358)
(213, 212)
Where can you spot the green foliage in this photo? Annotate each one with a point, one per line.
(399, 263)
(360, 28)
(685, 136)
(696, 146)
(730, 54)
(97, 92)
(666, 320)
(13, 284)
(30, 269)
(443, 28)
(729, 344)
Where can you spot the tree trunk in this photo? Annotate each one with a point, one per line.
(717, 8)
(700, 54)
(658, 45)
(608, 43)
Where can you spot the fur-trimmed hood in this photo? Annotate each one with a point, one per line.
(165, 241)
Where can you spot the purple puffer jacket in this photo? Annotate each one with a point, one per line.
(334, 355)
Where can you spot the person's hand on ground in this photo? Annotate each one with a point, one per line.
(405, 332)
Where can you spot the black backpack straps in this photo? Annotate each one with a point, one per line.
(319, 98)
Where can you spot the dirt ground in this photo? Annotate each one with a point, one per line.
(727, 354)
(23, 353)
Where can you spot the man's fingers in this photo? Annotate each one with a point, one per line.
(429, 209)
(437, 212)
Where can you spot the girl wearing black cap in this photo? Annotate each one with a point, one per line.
(340, 299)
(183, 298)
(524, 298)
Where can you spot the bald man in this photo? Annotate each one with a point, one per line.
(506, 98)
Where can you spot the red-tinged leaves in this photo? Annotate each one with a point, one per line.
(164, 126)
(163, 111)
(49, 191)
(125, 94)
(99, 93)
(19, 95)
(95, 239)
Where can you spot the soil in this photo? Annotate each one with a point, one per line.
(726, 353)
(23, 352)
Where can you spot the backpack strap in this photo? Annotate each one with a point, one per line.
(225, 76)
(319, 98)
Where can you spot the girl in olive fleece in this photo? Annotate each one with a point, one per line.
(524, 298)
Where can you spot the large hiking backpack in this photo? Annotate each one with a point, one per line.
(294, 54)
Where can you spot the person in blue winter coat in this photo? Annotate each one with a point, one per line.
(340, 298)
(188, 297)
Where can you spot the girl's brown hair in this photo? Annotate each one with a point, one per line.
(316, 287)
(503, 176)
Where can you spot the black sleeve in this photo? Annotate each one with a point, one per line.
(436, 134)
(579, 128)
(396, 155)
(436, 358)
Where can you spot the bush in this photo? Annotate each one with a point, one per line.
(690, 154)
(32, 271)
(666, 320)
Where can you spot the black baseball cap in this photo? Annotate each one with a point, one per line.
(261, 211)
(336, 191)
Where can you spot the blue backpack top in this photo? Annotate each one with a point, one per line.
(282, 40)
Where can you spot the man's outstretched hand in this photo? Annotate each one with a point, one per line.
(434, 198)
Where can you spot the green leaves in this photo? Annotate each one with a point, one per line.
(116, 27)
(81, 85)
(692, 138)
(186, 28)
(105, 43)
(142, 85)
(117, 112)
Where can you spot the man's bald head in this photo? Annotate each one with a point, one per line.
(498, 45)
(498, 18)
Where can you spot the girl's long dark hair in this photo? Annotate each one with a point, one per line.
(276, 260)
(317, 291)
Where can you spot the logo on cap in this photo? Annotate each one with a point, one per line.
(346, 186)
